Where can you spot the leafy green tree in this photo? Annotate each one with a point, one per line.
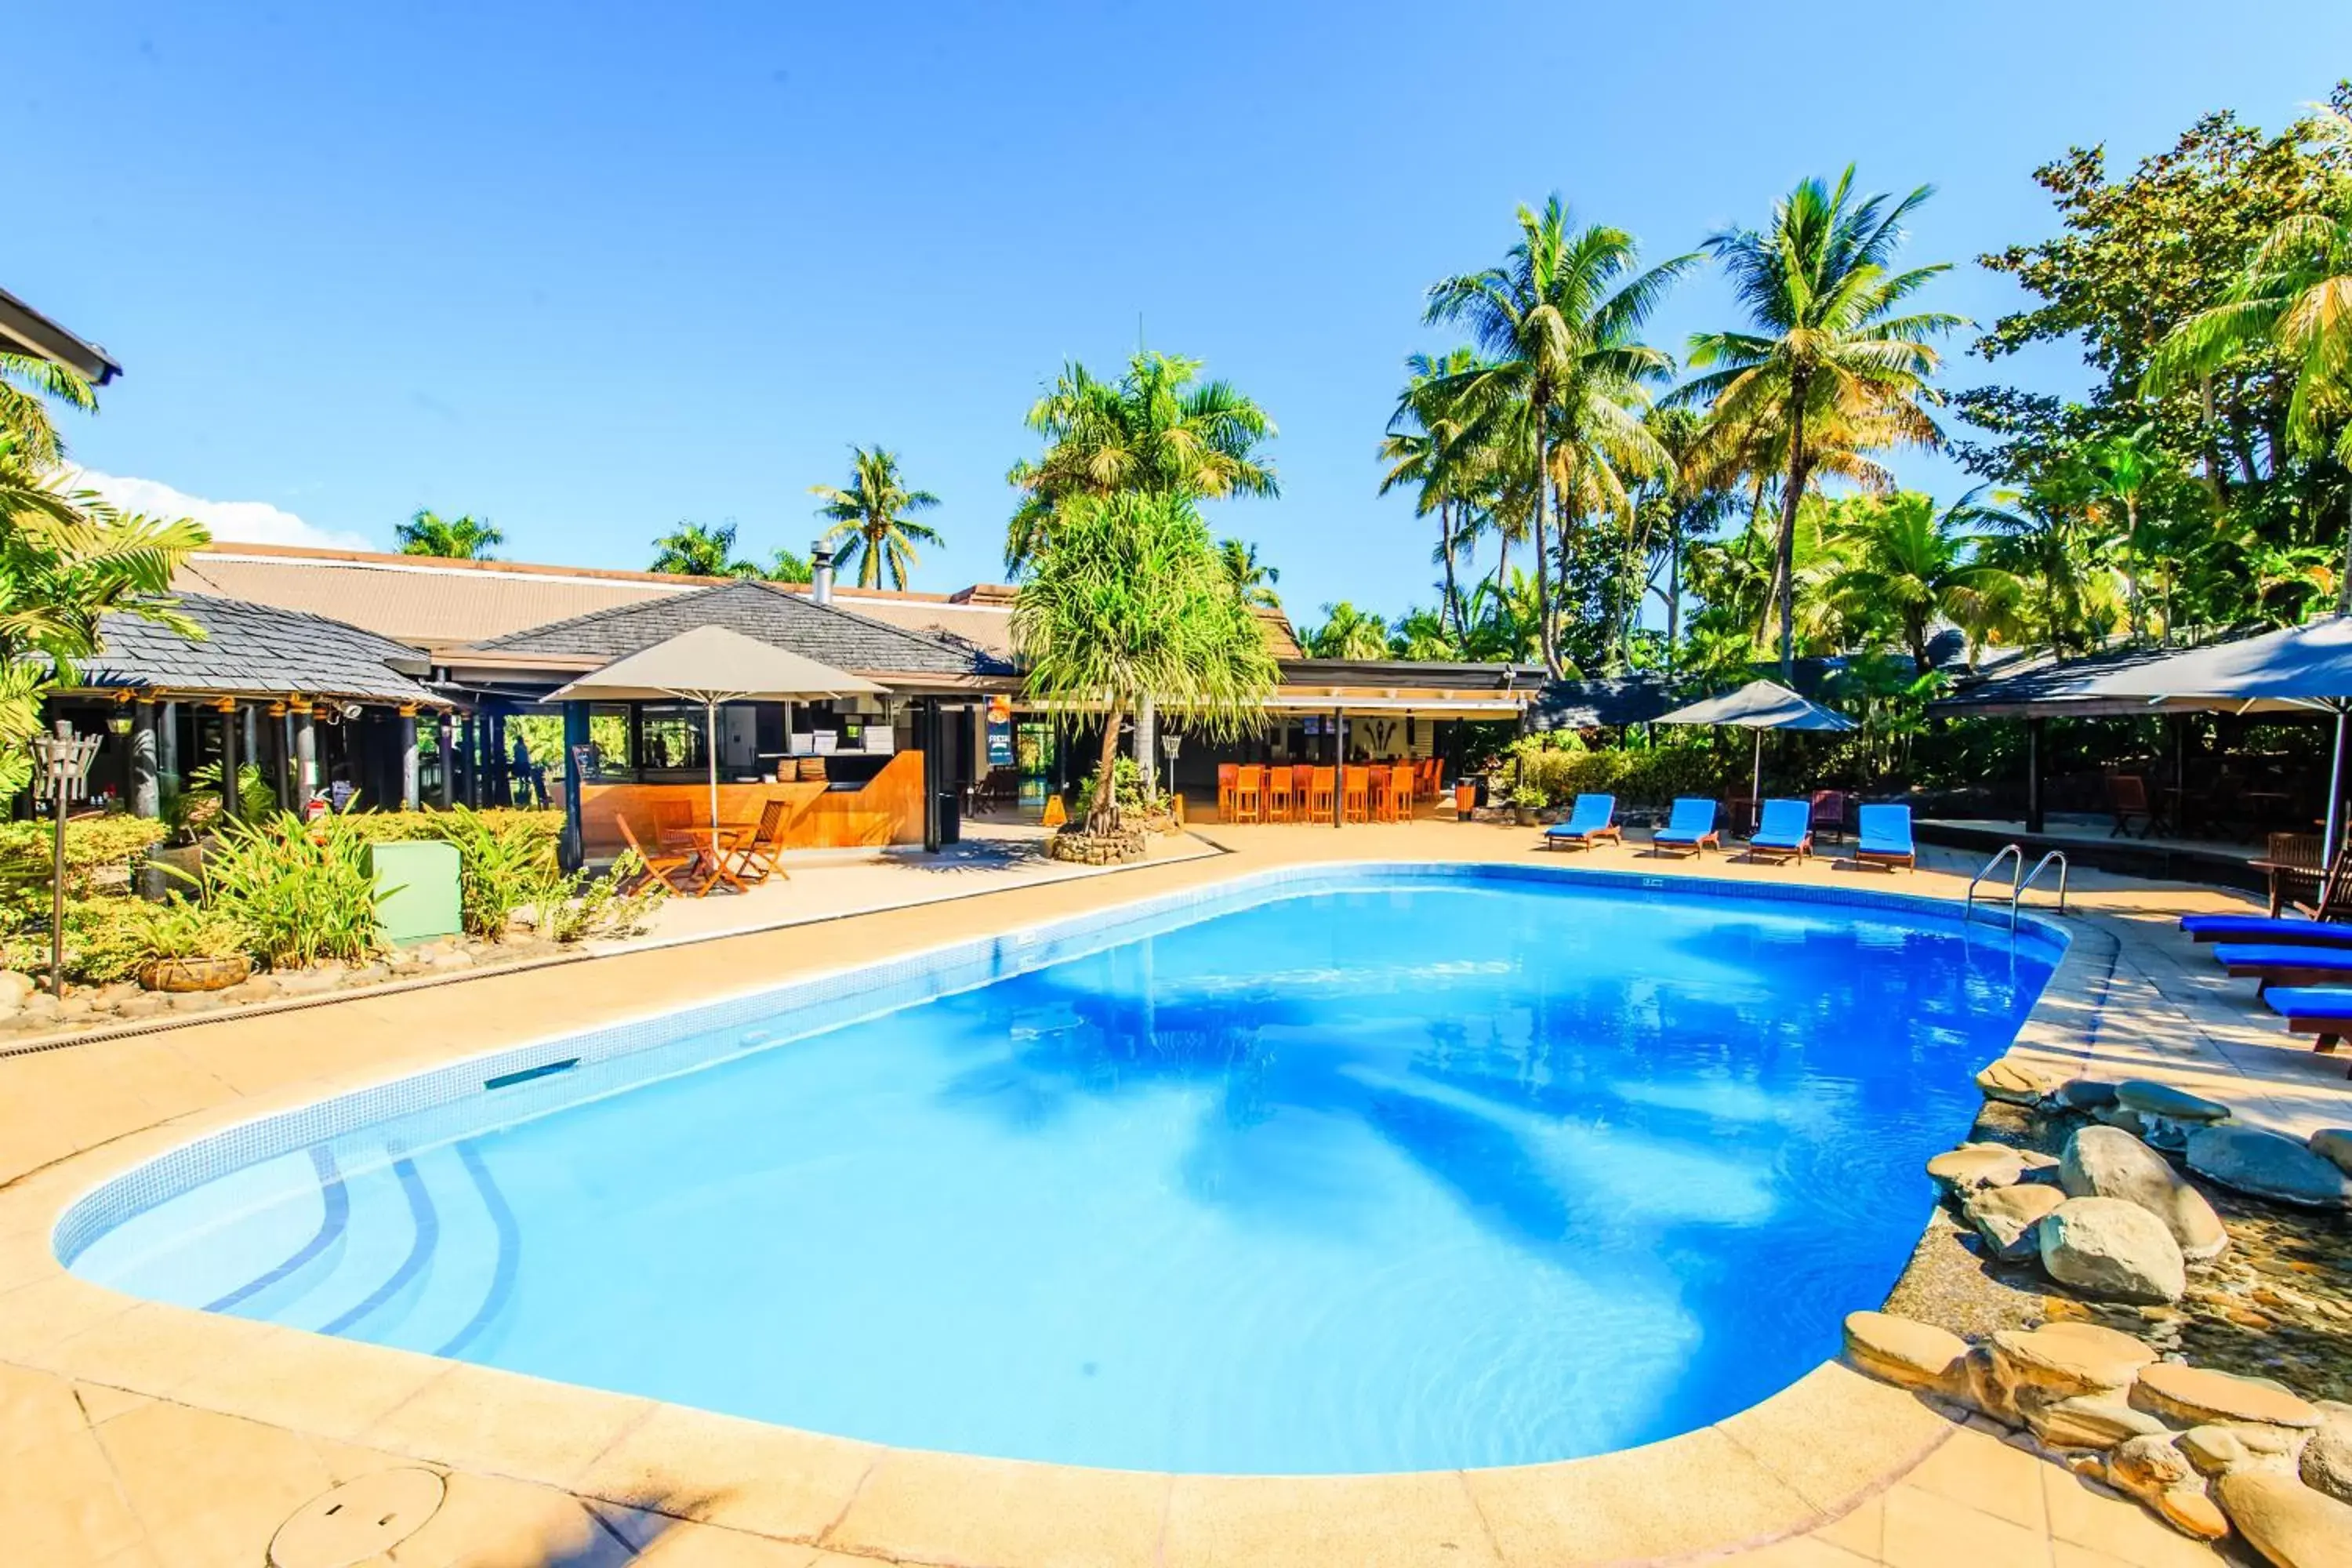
(1901, 561)
(1157, 430)
(469, 538)
(789, 566)
(1429, 447)
(1423, 635)
(1131, 603)
(1348, 632)
(27, 386)
(2126, 471)
(1252, 580)
(1831, 355)
(1566, 375)
(698, 550)
(873, 523)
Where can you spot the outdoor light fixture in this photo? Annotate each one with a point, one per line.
(64, 760)
(1169, 743)
(117, 723)
(226, 705)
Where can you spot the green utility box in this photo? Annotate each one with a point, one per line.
(416, 891)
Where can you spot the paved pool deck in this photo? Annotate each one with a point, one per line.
(135, 1433)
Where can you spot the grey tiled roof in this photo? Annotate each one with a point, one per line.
(825, 633)
(1609, 699)
(254, 650)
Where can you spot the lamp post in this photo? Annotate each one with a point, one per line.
(64, 760)
(1170, 743)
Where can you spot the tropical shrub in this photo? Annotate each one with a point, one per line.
(504, 864)
(1650, 776)
(576, 908)
(93, 845)
(301, 889)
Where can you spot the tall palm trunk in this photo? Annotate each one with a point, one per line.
(1102, 816)
(1446, 543)
(1544, 639)
(2343, 592)
(1674, 586)
(1785, 569)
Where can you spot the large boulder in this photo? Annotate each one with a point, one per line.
(2249, 1160)
(2060, 1360)
(2152, 1470)
(1974, 1165)
(2286, 1521)
(2327, 1457)
(2216, 1449)
(2089, 1421)
(1906, 1353)
(2015, 1082)
(2113, 1250)
(2333, 1144)
(2086, 1094)
(2109, 1162)
(2005, 1217)
(2193, 1396)
(2167, 1115)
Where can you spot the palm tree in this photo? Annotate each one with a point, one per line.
(1830, 349)
(1132, 604)
(1427, 446)
(870, 519)
(1157, 430)
(2295, 299)
(698, 550)
(2125, 469)
(1899, 558)
(25, 381)
(1566, 375)
(788, 566)
(1253, 582)
(1348, 632)
(468, 538)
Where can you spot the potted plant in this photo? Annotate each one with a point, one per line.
(192, 948)
(1525, 801)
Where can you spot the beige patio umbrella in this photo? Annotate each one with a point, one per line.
(711, 664)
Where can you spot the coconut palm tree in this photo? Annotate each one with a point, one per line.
(1427, 447)
(872, 530)
(1828, 345)
(1251, 580)
(1898, 559)
(25, 381)
(1131, 604)
(1157, 430)
(427, 533)
(1567, 374)
(2295, 299)
(698, 550)
(2126, 469)
(1348, 632)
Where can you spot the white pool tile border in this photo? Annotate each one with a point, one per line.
(420, 1109)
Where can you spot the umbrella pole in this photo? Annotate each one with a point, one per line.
(711, 755)
(1756, 783)
(2334, 796)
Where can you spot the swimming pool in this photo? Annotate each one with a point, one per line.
(1350, 1169)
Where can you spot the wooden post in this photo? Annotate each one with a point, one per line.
(228, 795)
(572, 850)
(167, 745)
(408, 761)
(445, 735)
(306, 758)
(1338, 768)
(146, 797)
(2033, 775)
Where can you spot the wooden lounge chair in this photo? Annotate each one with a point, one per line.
(1883, 838)
(2322, 1010)
(1829, 815)
(2292, 865)
(755, 858)
(1593, 819)
(663, 865)
(1785, 833)
(1689, 829)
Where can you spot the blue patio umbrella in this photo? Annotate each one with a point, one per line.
(1761, 705)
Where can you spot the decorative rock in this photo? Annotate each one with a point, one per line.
(16, 987)
(142, 1006)
(2269, 1167)
(260, 988)
(2005, 1217)
(2109, 1162)
(2333, 1144)
(2036, 1162)
(1974, 1165)
(2130, 1122)
(2216, 1450)
(2014, 1082)
(2286, 1521)
(2086, 1421)
(2151, 1469)
(2060, 1361)
(2192, 1396)
(1903, 1352)
(2167, 1102)
(1984, 1389)
(2327, 1457)
(2112, 1250)
(454, 958)
(197, 1002)
(2086, 1094)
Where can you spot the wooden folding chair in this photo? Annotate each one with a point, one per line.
(672, 819)
(755, 860)
(660, 865)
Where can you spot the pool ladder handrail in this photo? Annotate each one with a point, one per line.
(2026, 881)
(1968, 906)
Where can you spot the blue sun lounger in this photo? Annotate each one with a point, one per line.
(1591, 821)
(2322, 1010)
(1688, 831)
(2284, 964)
(1785, 833)
(2267, 928)
(1885, 838)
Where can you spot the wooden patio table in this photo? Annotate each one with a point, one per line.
(713, 844)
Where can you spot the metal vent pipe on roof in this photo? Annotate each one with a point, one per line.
(821, 573)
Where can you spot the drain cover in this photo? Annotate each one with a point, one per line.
(357, 1521)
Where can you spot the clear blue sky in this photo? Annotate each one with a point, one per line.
(591, 268)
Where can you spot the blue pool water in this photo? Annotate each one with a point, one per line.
(1395, 1174)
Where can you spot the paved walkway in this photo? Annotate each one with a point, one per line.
(135, 1434)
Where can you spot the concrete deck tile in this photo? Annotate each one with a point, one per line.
(1989, 1475)
(1925, 1530)
(36, 1317)
(210, 1488)
(1613, 1505)
(1801, 1552)
(155, 1347)
(99, 1402)
(951, 1508)
(504, 1423)
(2087, 1515)
(36, 1408)
(1873, 1431)
(486, 1521)
(1861, 1530)
(719, 1469)
(59, 1505)
(329, 1388)
(1366, 1521)
(684, 1544)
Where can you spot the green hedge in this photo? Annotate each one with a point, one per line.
(1651, 777)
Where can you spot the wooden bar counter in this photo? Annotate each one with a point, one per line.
(818, 813)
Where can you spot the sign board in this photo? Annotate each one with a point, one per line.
(1000, 742)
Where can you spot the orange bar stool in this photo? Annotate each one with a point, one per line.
(1318, 803)
(1359, 781)
(1249, 794)
(1225, 775)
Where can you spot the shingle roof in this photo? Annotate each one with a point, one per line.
(254, 650)
(2041, 684)
(827, 633)
(1607, 700)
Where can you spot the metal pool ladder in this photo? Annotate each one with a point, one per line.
(2027, 881)
(2006, 851)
